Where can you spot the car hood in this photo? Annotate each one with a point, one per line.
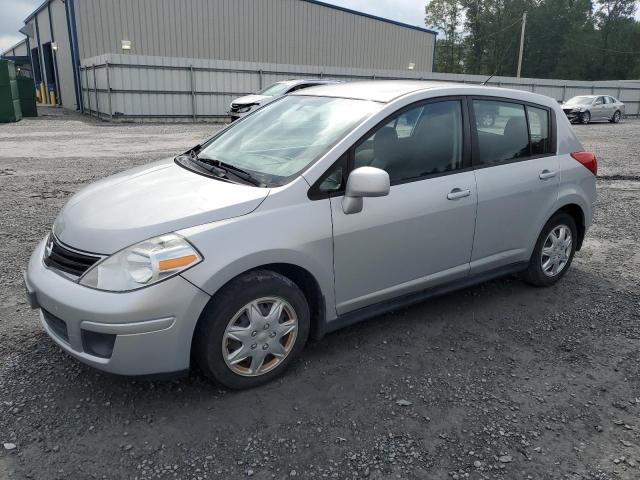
(137, 204)
(247, 99)
(574, 105)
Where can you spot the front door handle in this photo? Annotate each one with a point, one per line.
(544, 174)
(458, 193)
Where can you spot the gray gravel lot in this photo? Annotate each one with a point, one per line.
(499, 381)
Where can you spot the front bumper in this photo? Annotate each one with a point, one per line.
(150, 329)
(573, 116)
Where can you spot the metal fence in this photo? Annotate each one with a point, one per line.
(121, 87)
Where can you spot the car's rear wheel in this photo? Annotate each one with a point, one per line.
(616, 117)
(252, 330)
(553, 253)
(585, 118)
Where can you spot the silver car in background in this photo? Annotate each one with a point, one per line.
(243, 105)
(327, 206)
(585, 108)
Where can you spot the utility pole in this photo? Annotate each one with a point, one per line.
(524, 24)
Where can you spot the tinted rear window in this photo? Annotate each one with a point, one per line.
(510, 131)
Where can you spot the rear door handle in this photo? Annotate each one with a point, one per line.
(544, 174)
(458, 193)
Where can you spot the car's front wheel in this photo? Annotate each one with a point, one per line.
(585, 118)
(252, 330)
(553, 252)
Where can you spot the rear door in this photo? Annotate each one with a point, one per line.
(517, 177)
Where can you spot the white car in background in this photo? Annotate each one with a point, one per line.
(243, 105)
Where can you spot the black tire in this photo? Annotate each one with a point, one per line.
(616, 117)
(585, 118)
(207, 342)
(534, 273)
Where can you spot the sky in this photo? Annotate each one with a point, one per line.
(406, 11)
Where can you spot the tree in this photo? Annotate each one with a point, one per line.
(446, 16)
(572, 39)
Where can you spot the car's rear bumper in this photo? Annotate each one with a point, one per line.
(143, 332)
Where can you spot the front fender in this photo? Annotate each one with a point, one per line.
(299, 235)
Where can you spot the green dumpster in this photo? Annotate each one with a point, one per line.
(10, 110)
(27, 96)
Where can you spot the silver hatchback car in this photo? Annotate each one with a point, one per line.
(321, 209)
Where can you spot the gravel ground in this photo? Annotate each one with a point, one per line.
(499, 381)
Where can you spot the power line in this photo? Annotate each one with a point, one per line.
(570, 40)
(477, 39)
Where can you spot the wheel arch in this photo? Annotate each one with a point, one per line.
(303, 279)
(576, 212)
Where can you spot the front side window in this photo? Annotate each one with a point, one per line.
(505, 137)
(280, 140)
(422, 141)
(599, 101)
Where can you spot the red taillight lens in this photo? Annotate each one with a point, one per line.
(587, 159)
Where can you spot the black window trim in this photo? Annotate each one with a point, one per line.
(314, 192)
(475, 161)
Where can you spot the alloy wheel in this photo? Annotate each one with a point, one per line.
(556, 250)
(585, 118)
(616, 117)
(260, 336)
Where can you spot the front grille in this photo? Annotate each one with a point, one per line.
(57, 325)
(63, 258)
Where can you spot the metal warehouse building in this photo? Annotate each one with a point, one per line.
(188, 58)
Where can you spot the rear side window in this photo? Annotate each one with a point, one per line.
(502, 131)
(511, 131)
(539, 130)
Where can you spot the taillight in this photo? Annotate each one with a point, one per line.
(587, 159)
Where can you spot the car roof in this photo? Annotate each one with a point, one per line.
(386, 91)
(376, 90)
(314, 81)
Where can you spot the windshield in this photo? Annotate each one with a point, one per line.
(279, 88)
(580, 100)
(284, 137)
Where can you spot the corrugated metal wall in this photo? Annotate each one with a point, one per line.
(181, 89)
(63, 55)
(63, 60)
(272, 31)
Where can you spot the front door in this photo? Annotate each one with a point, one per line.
(421, 234)
(517, 177)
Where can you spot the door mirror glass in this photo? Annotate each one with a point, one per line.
(364, 182)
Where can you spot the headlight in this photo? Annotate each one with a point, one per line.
(142, 264)
(247, 108)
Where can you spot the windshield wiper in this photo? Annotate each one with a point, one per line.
(218, 172)
(226, 168)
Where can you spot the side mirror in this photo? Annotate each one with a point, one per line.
(364, 182)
